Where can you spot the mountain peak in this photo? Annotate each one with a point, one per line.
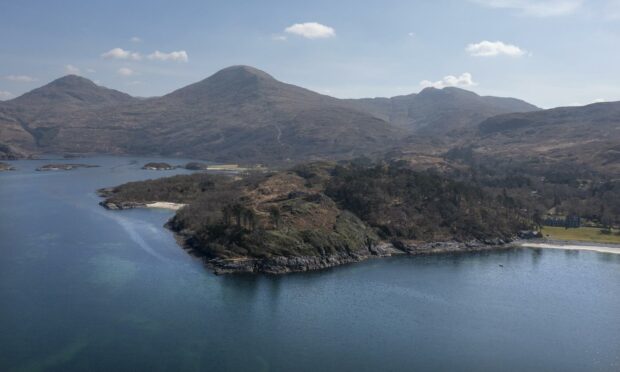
(72, 80)
(432, 91)
(74, 90)
(237, 81)
(242, 70)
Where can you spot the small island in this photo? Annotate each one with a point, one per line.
(158, 166)
(323, 214)
(6, 167)
(64, 167)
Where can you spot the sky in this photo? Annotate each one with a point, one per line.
(550, 52)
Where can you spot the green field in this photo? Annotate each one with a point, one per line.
(582, 234)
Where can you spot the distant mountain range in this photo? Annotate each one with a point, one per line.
(242, 114)
(238, 114)
(448, 111)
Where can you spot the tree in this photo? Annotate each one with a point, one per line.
(237, 210)
(275, 216)
(249, 219)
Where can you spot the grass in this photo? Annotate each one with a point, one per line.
(581, 234)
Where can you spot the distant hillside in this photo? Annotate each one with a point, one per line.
(588, 135)
(238, 114)
(448, 111)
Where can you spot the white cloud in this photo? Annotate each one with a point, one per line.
(464, 80)
(135, 39)
(536, 8)
(72, 70)
(5, 95)
(119, 53)
(21, 78)
(180, 56)
(599, 100)
(493, 49)
(125, 71)
(278, 37)
(311, 30)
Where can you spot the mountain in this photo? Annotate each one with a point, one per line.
(29, 121)
(586, 136)
(238, 114)
(70, 91)
(448, 111)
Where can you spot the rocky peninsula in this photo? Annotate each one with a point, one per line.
(321, 215)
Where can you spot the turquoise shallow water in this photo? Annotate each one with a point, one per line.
(82, 288)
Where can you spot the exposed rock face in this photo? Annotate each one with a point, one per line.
(280, 264)
(284, 265)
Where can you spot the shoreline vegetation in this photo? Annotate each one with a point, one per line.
(322, 214)
(582, 234)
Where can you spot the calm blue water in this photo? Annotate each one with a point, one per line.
(82, 288)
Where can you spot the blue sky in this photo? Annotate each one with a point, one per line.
(551, 53)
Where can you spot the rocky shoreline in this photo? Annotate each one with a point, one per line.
(284, 265)
(278, 265)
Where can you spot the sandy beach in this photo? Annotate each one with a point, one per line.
(573, 246)
(166, 205)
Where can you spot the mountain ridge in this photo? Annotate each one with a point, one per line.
(237, 114)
